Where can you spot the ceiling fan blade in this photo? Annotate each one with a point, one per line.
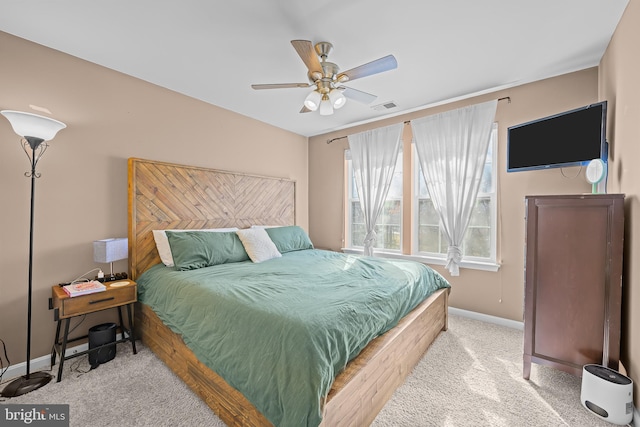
(374, 67)
(308, 54)
(357, 95)
(279, 85)
(305, 109)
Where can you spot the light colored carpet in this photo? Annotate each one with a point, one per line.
(471, 376)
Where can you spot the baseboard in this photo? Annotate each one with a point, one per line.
(43, 362)
(487, 318)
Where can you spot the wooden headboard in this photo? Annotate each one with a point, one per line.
(165, 196)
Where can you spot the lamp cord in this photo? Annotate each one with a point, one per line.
(571, 177)
(4, 369)
(77, 279)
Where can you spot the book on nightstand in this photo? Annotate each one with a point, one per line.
(83, 288)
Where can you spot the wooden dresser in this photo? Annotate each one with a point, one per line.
(573, 281)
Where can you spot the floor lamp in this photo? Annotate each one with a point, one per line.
(35, 130)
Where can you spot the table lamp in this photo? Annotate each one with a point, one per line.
(109, 250)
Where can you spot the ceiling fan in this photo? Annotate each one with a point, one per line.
(329, 92)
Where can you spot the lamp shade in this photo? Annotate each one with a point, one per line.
(28, 124)
(312, 101)
(325, 106)
(337, 98)
(110, 250)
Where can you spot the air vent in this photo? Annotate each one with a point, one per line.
(385, 106)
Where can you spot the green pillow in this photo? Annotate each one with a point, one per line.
(290, 238)
(197, 249)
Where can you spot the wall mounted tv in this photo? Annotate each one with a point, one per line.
(572, 138)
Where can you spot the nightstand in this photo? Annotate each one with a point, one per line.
(65, 308)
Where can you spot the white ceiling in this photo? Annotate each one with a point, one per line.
(213, 50)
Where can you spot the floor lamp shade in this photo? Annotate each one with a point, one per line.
(28, 124)
(109, 250)
(34, 131)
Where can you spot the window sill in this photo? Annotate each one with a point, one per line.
(471, 265)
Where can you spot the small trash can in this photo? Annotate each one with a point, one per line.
(100, 335)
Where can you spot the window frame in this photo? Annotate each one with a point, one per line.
(349, 210)
(490, 264)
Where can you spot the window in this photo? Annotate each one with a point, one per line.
(479, 243)
(389, 224)
(479, 246)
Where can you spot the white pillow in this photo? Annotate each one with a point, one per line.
(162, 243)
(258, 244)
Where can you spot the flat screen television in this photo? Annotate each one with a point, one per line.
(572, 138)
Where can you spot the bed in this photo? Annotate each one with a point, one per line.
(164, 196)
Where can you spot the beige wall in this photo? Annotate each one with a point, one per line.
(495, 293)
(82, 195)
(620, 84)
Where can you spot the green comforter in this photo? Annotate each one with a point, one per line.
(281, 330)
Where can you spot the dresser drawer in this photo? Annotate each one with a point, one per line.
(112, 297)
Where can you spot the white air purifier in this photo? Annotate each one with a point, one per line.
(607, 394)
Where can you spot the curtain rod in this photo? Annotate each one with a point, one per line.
(406, 122)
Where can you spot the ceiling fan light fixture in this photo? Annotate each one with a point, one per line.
(325, 106)
(337, 98)
(329, 94)
(312, 101)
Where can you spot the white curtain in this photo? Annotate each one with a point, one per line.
(373, 156)
(452, 147)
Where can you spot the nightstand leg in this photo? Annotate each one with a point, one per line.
(121, 322)
(131, 334)
(63, 349)
(54, 353)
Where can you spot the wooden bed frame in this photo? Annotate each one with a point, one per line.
(164, 196)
